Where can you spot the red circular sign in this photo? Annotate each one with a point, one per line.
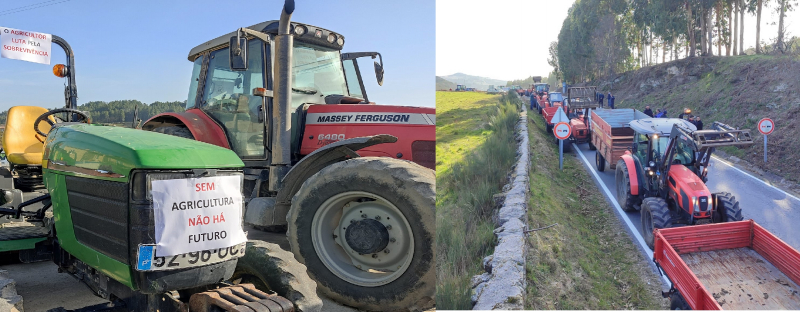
(766, 126)
(562, 130)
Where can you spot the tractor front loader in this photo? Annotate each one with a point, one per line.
(350, 182)
(148, 221)
(666, 177)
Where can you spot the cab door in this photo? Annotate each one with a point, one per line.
(352, 73)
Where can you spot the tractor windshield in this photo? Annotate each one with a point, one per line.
(317, 72)
(556, 97)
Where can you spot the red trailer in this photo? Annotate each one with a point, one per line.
(735, 265)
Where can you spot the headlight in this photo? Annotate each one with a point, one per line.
(340, 41)
(331, 38)
(299, 30)
(694, 203)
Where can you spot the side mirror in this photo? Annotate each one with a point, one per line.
(379, 69)
(238, 53)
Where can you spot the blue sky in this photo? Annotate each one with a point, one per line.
(138, 49)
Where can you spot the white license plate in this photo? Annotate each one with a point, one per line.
(147, 261)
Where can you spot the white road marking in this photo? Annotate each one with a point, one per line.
(754, 178)
(636, 235)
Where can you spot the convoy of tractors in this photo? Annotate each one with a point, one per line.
(699, 237)
(351, 183)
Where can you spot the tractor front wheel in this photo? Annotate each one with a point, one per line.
(271, 268)
(728, 207)
(655, 215)
(365, 228)
(624, 196)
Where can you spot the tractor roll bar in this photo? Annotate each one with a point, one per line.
(722, 135)
(71, 91)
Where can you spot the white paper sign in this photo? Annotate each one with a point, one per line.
(197, 214)
(25, 45)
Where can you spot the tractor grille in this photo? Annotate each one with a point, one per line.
(703, 203)
(424, 153)
(99, 211)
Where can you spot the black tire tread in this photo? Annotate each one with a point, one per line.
(414, 183)
(660, 213)
(178, 131)
(279, 270)
(627, 202)
(731, 207)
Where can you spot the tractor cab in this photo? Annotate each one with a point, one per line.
(651, 138)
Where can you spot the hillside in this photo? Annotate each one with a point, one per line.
(480, 83)
(121, 111)
(735, 90)
(443, 84)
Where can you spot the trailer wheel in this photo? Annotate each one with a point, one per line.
(655, 215)
(365, 229)
(624, 197)
(676, 302)
(271, 268)
(599, 162)
(729, 207)
(549, 129)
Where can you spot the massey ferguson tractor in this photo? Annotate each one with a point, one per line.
(351, 183)
(666, 171)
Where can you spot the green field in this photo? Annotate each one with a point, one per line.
(587, 261)
(475, 150)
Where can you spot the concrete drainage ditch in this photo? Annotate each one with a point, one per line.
(502, 286)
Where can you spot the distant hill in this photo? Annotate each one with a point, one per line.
(480, 83)
(121, 111)
(444, 84)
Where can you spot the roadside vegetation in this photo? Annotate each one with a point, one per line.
(475, 150)
(587, 261)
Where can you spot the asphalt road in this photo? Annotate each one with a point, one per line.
(43, 288)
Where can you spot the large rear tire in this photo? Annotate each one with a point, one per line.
(624, 197)
(271, 268)
(177, 131)
(599, 162)
(383, 198)
(655, 215)
(729, 207)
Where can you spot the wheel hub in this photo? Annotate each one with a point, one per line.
(367, 236)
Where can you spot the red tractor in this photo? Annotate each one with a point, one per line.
(554, 100)
(665, 174)
(579, 104)
(351, 181)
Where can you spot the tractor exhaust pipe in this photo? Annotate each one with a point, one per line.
(282, 98)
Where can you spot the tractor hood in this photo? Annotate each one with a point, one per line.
(112, 152)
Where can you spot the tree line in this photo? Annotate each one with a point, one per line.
(603, 37)
(121, 111)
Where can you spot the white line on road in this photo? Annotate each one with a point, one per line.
(624, 215)
(754, 177)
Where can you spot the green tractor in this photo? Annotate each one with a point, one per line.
(148, 221)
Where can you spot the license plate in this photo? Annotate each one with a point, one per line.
(147, 261)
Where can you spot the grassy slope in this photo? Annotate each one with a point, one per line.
(587, 261)
(735, 90)
(474, 152)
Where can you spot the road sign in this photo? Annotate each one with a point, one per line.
(559, 116)
(766, 126)
(562, 130)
